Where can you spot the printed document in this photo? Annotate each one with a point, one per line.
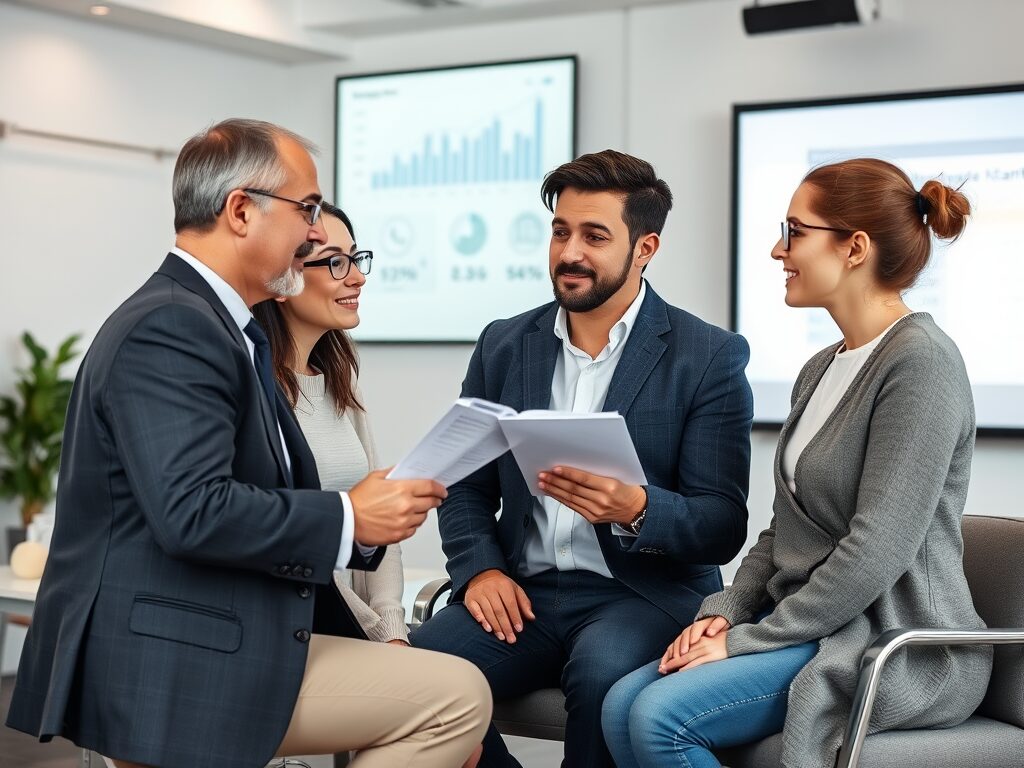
(474, 432)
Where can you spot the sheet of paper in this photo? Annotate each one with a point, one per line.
(466, 438)
(594, 442)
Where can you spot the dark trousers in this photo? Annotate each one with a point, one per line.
(590, 631)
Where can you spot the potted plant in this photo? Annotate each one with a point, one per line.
(32, 430)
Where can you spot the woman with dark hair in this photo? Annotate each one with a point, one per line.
(871, 476)
(315, 362)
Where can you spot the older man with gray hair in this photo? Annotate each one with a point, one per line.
(187, 616)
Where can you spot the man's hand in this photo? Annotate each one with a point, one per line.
(390, 511)
(498, 604)
(599, 499)
(699, 643)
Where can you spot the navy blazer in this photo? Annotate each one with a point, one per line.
(172, 622)
(681, 386)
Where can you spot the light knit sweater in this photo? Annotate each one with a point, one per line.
(872, 543)
(344, 450)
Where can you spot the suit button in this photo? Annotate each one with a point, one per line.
(302, 635)
(307, 572)
(297, 570)
(304, 592)
(284, 570)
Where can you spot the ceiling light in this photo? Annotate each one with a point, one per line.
(99, 10)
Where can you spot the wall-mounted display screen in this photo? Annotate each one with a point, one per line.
(973, 288)
(440, 171)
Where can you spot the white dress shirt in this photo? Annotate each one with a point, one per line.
(236, 307)
(561, 538)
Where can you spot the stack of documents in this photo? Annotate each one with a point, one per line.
(474, 432)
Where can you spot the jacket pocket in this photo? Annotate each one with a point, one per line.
(182, 621)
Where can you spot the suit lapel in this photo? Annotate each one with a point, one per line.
(179, 271)
(540, 350)
(643, 350)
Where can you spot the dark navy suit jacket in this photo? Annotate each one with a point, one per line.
(172, 623)
(681, 387)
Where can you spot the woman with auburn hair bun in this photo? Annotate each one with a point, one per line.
(871, 476)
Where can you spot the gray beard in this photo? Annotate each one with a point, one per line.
(289, 284)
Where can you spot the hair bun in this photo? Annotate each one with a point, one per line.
(948, 209)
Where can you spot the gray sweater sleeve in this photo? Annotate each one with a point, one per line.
(914, 432)
(744, 598)
(740, 602)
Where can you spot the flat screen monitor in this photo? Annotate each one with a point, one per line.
(974, 288)
(440, 171)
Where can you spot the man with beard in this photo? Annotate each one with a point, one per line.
(188, 615)
(596, 577)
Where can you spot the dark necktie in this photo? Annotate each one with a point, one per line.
(264, 368)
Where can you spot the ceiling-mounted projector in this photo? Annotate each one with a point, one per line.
(777, 17)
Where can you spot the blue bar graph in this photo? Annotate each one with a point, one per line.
(468, 160)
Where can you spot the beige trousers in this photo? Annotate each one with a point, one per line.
(398, 707)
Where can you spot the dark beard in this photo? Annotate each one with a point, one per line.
(600, 289)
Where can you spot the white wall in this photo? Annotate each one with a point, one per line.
(81, 228)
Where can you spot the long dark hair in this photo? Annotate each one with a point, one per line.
(334, 355)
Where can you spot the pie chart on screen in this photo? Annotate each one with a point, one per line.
(469, 233)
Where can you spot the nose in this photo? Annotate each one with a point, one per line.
(778, 252)
(317, 233)
(354, 278)
(571, 251)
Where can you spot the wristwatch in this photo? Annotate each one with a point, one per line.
(637, 522)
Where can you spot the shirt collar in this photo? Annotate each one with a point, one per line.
(619, 332)
(229, 297)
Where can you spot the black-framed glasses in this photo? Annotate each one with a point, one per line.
(788, 227)
(312, 209)
(340, 263)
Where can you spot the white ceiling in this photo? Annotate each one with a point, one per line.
(304, 31)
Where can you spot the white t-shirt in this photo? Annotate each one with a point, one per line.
(830, 390)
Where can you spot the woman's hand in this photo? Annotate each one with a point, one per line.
(396, 641)
(699, 643)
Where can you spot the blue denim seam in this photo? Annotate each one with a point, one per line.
(678, 741)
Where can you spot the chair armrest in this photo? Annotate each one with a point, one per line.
(423, 607)
(879, 652)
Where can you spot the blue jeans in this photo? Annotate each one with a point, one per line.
(589, 632)
(659, 721)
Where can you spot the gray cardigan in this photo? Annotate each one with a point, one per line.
(872, 543)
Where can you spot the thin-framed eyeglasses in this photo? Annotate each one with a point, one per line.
(340, 263)
(312, 210)
(788, 227)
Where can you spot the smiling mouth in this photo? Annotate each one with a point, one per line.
(348, 302)
(790, 274)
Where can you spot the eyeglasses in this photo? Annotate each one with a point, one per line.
(312, 209)
(340, 263)
(788, 228)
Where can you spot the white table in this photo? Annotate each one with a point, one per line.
(16, 595)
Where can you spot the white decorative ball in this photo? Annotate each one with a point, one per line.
(28, 559)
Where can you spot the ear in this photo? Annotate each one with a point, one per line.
(860, 249)
(238, 212)
(645, 249)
